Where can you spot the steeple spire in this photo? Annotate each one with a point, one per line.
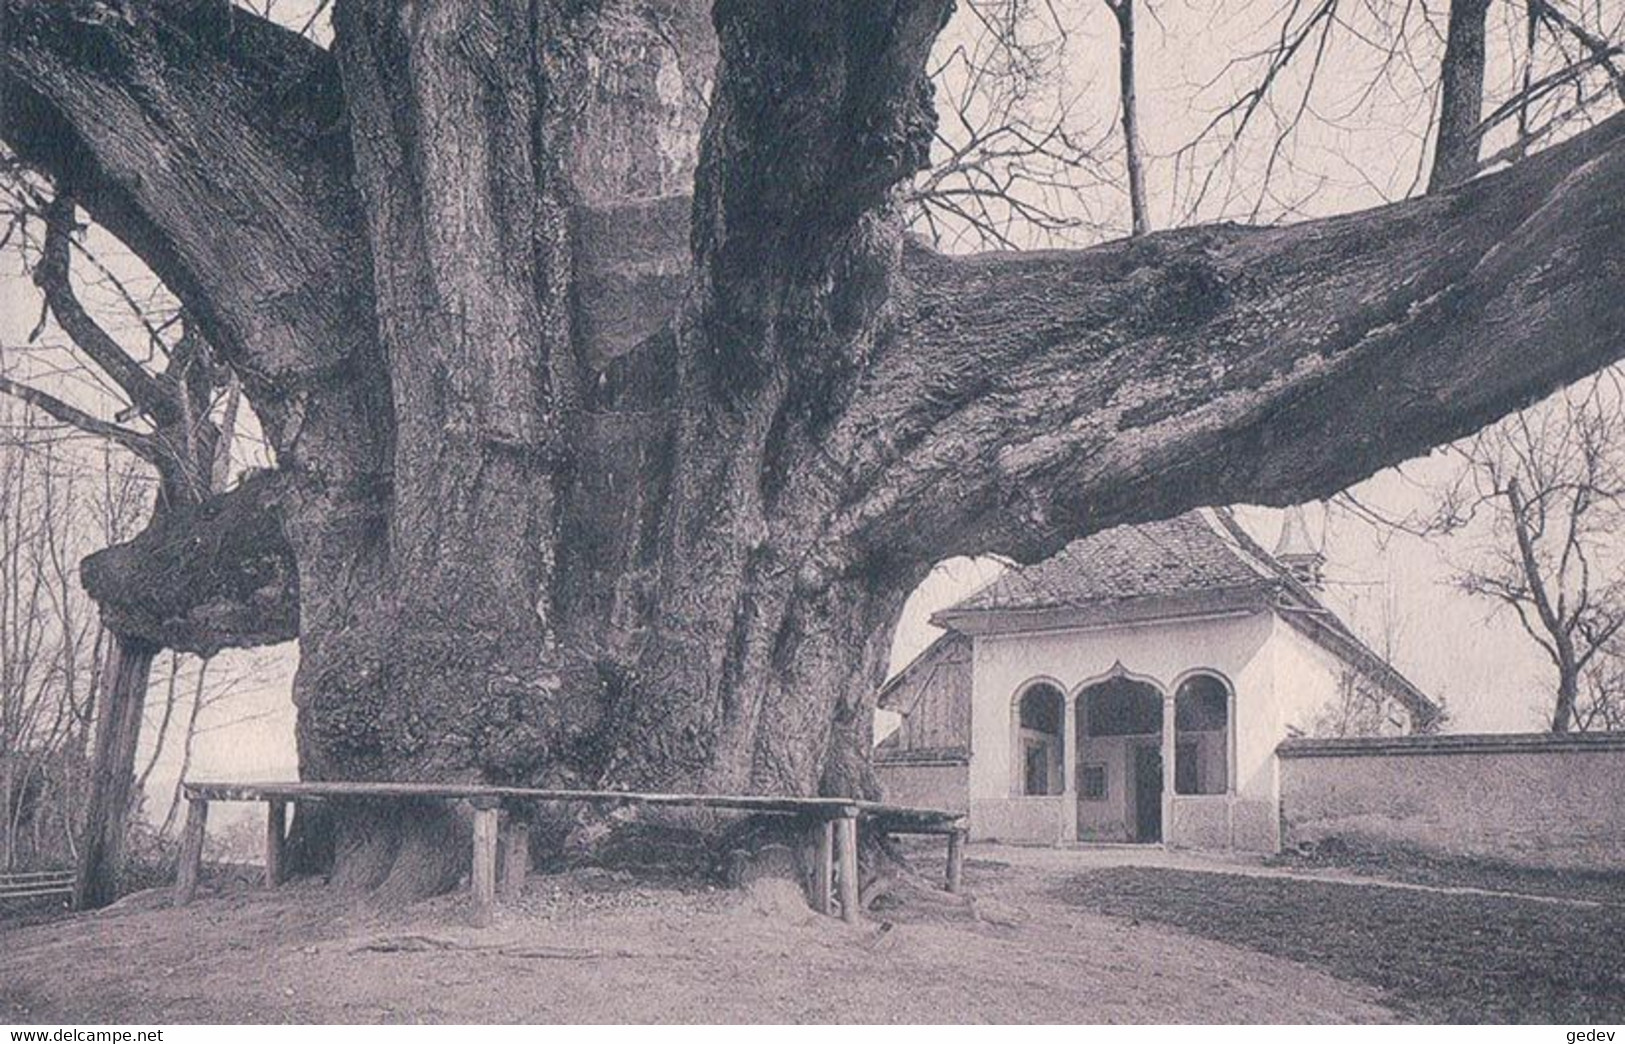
(1297, 551)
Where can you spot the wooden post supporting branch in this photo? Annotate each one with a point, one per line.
(956, 860)
(191, 864)
(515, 857)
(823, 864)
(276, 835)
(846, 855)
(122, 694)
(485, 864)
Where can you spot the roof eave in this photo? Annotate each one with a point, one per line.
(1348, 647)
(1134, 611)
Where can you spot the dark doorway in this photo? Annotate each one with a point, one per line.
(1147, 794)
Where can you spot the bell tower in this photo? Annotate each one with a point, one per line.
(1298, 552)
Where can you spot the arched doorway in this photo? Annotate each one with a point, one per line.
(1120, 769)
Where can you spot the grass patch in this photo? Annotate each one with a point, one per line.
(1437, 958)
(1416, 867)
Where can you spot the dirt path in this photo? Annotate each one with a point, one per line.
(594, 947)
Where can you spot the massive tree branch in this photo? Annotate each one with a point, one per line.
(1031, 398)
(212, 143)
(819, 111)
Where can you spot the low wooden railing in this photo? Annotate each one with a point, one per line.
(833, 823)
(33, 884)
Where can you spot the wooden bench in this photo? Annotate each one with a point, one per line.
(33, 884)
(833, 823)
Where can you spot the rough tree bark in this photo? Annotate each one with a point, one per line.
(583, 480)
(1461, 95)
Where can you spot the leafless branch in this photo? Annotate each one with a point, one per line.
(136, 442)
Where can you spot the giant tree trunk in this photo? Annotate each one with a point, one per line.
(608, 449)
(525, 605)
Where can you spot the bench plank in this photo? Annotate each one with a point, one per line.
(66, 889)
(904, 819)
(834, 820)
(33, 884)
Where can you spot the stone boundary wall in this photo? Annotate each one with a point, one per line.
(1529, 799)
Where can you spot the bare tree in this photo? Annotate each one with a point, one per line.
(1600, 706)
(1461, 95)
(1134, 164)
(171, 686)
(1434, 80)
(165, 416)
(192, 686)
(1012, 162)
(53, 499)
(1362, 708)
(1542, 497)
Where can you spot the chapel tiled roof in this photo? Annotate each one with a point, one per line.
(1178, 556)
(1201, 560)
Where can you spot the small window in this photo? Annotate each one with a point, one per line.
(1092, 782)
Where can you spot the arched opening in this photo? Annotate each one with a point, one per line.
(1040, 745)
(1120, 761)
(1202, 735)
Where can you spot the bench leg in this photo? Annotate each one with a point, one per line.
(846, 854)
(515, 857)
(823, 864)
(956, 860)
(276, 838)
(191, 861)
(485, 866)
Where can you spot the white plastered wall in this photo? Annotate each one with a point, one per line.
(1307, 680)
(1238, 647)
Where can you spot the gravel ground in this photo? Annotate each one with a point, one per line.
(604, 947)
